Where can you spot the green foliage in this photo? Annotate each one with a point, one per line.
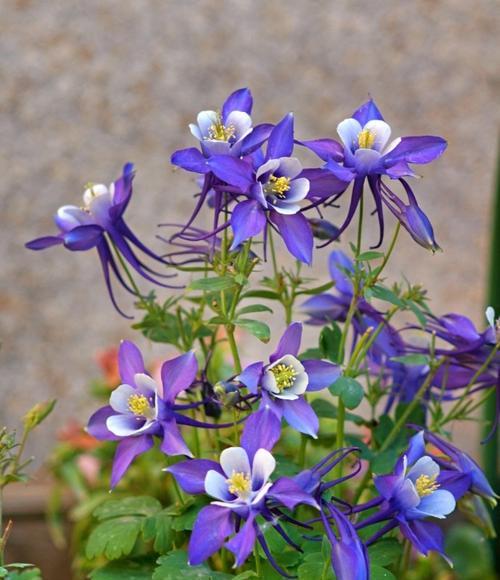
(175, 565)
(329, 342)
(349, 390)
(259, 329)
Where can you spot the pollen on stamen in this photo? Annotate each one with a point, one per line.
(138, 404)
(284, 375)
(366, 139)
(220, 132)
(239, 484)
(426, 485)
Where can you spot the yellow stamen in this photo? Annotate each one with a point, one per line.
(285, 376)
(425, 485)
(278, 185)
(220, 132)
(138, 404)
(239, 484)
(366, 139)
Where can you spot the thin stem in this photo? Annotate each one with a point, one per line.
(302, 452)
(257, 562)
(234, 348)
(340, 430)
(389, 251)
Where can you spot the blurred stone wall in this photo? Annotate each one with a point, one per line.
(86, 86)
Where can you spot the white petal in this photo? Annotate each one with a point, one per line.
(119, 398)
(205, 120)
(71, 216)
(366, 159)
(263, 465)
(241, 122)
(270, 166)
(256, 499)
(285, 208)
(490, 316)
(299, 188)
(392, 145)
(234, 459)
(216, 486)
(438, 504)
(195, 131)
(95, 191)
(424, 466)
(289, 167)
(348, 130)
(269, 382)
(382, 132)
(126, 425)
(299, 386)
(145, 384)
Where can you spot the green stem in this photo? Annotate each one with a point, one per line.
(411, 407)
(234, 348)
(257, 562)
(340, 428)
(302, 452)
(389, 251)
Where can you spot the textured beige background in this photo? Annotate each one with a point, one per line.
(86, 86)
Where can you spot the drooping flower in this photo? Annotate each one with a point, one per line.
(367, 155)
(100, 224)
(242, 490)
(141, 409)
(282, 384)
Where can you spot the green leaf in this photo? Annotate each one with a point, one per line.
(314, 567)
(349, 390)
(255, 327)
(384, 552)
(129, 569)
(141, 505)
(113, 538)
(329, 342)
(367, 256)
(267, 294)
(213, 284)
(412, 359)
(383, 293)
(254, 308)
(186, 520)
(317, 289)
(379, 573)
(314, 353)
(245, 575)
(174, 566)
(159, 529)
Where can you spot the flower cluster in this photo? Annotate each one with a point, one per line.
(272, 450)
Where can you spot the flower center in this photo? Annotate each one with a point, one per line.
(284, 375)
(220, 132)
(425, 485)
(239, 484)
(139, 405)
(278, 186)
(366, 139)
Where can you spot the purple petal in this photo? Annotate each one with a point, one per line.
(255, 139)
(83, 238)
(289, 343)
(191, 160)
(232, 170)
(44, 242)
(211, 528)
(367, 112)
(247, 220)
(262, 430)
(240, 100)
(424, 536)
(325, 149)
(321, 374)
(251, 375)
(416, 448)
(422, 149)
(97, 424)
(130, 362)
(280, 142)
(340, 265)
(123, 191)
(242, 544)
(297, 235)
(190, 475)
(340, 172)
(178, 374)
(323, 183)
(301, 416)
(290, 494)
(173, 443)
(126, 451)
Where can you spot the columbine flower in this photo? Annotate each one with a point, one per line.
(494, 323)
(282, 384)
(140, 409)
(241, 487)
(368, 155)
(416, 491)
(99, 224)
